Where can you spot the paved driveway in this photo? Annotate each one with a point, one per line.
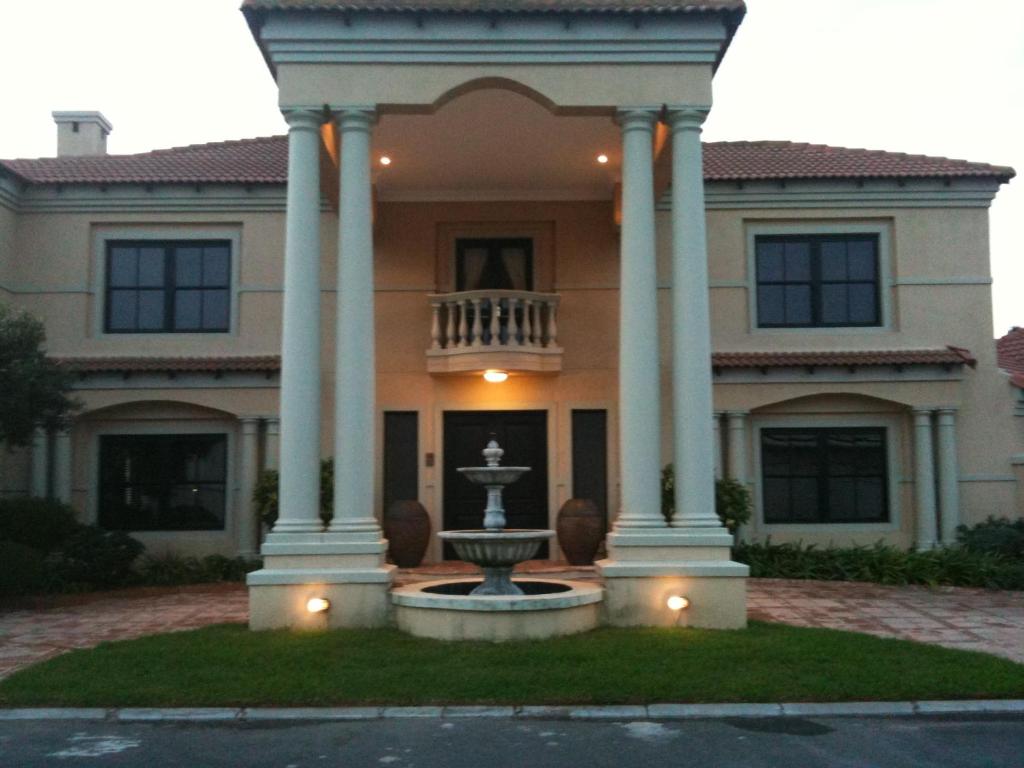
(972, 619)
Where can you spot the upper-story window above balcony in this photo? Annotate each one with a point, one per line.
(818, 281)
(167, 286)
(494, 264)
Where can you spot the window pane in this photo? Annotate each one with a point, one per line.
(770, 262)
(215, 266)
(798, 261)
(805, 499)
(862, 260)
(123, 267)
(842, 499)
(151, 310)
(771, 309)
(121, 310)
(151, 267)
(776, 499)
(871, 504)
(188, 267)
(798, 304)
(187, 310)
(863, 304)
(833, 260)
(215, 310)
(833, 304)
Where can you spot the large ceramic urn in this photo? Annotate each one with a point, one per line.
(580, 530)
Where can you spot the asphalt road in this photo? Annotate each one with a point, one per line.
(495, 743)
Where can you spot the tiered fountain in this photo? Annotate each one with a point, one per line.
(496, 608)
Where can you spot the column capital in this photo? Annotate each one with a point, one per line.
(355, 117)
(250, 424)
(685, 117)
(637, 118)
(302, 119)
(947, 411)
(735, 416)
(273, 425)
(922, 414)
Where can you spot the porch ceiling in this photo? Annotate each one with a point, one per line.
(495, 144)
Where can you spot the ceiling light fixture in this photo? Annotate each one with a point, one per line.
(602, 159)
(385, 160)
(494, 376)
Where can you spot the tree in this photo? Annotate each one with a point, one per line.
(34, 390)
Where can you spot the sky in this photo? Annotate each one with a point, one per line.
(939, 77)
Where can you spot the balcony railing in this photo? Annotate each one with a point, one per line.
(516, 330)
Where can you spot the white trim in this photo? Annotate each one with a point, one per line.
(494, 195)
(466, 38)
(942, 281)
(881, 228)
(226, 538)
(102, 233)
(987, 478)
(165, 198)
(845, 194)
(798, 374)
(113, 380)
(893, 425)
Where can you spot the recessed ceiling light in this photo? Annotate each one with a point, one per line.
(602, 159)
(385, 160)
(495, 376)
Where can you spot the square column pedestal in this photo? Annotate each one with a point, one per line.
(351, 574)
(647, 567)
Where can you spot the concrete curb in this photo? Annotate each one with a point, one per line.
(615, 712)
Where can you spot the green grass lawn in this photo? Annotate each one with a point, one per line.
(228, 665)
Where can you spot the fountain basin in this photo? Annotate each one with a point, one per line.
(496, 475)
(496, 549)
(552, 607)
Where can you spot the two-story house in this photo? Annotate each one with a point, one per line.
(498, 218)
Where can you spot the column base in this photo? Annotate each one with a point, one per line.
(645, 569)
(351, 574)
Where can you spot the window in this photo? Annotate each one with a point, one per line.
(835, 475)
(163, 482)
(494, 264)
(178, 286)
(817, 281)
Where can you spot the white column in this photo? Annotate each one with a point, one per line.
(354, 395)
(717, 424)
(39, 485)
(299, 486)
(271, 443)
(949, 475)
(738, 446)
(62, 466)
(248, 469)
(924, 479)
(639, 379)
(691, 323)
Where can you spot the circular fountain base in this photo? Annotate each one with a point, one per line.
(444, 610)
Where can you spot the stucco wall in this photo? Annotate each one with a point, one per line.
(937, 259)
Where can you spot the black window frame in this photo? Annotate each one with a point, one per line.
(113, 519)
(493, 246)
(816, 282)
(169, 287)
(823, 475)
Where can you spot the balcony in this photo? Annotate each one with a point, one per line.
(472, 331)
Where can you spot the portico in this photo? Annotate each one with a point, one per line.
(658, 94)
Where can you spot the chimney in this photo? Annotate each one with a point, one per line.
(81, 133)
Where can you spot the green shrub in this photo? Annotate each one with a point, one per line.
(264, 495)
(732, 500)
(41, 524)
(24, 569)
(951, 566)
(173, 570)
(995, 535)
(92, 558)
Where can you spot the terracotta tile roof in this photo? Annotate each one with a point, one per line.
(750, 160)
(271, 363)
(943, 356)
(140, 364)
(265, 161)
(246, 161)
(1010, 355)
(500, 6)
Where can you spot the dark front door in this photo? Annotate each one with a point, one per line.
(523, 435)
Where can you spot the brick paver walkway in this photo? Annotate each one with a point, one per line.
(972, 619)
